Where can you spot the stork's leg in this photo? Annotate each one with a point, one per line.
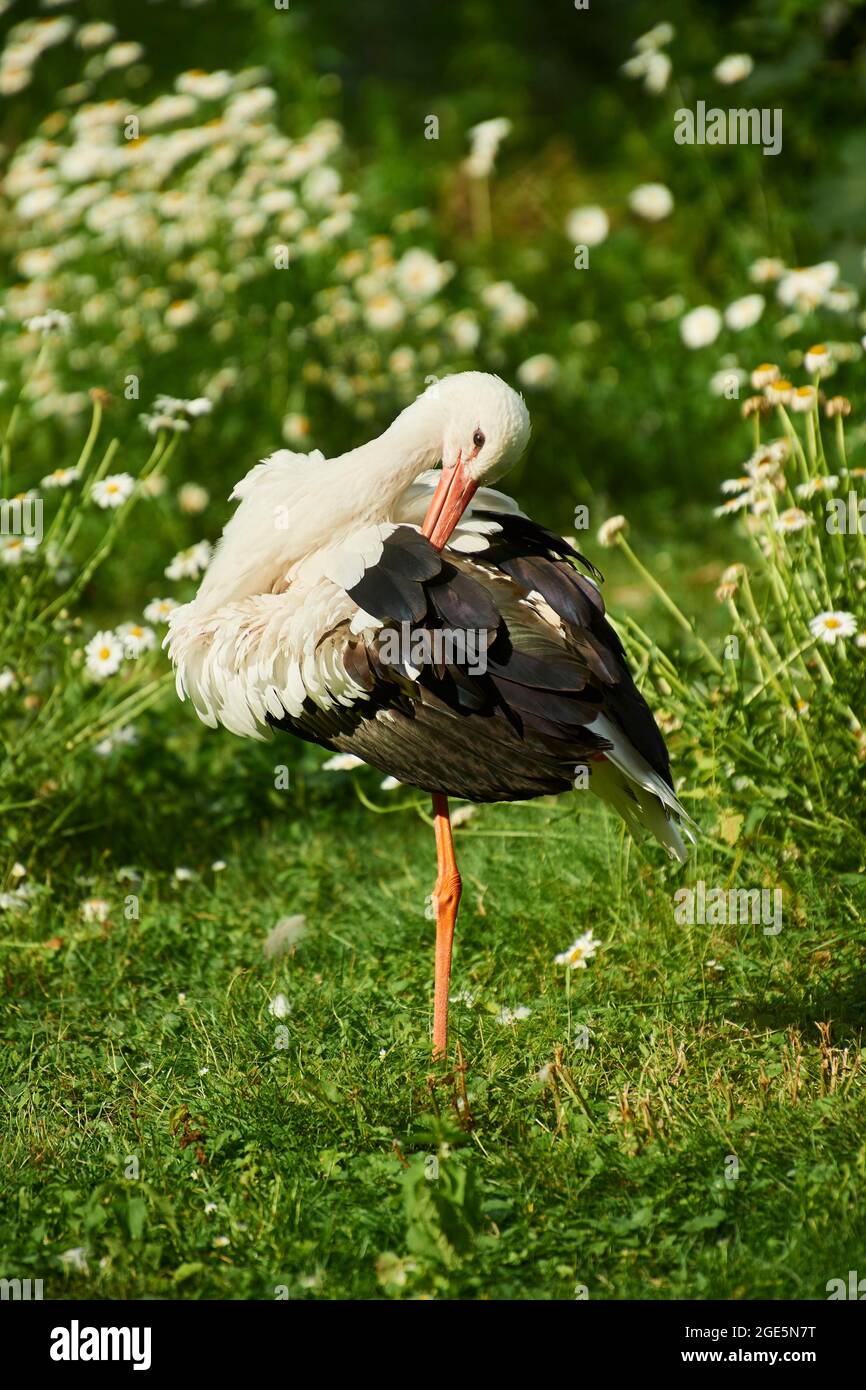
(446, 900)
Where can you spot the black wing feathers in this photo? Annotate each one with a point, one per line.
(513, 725)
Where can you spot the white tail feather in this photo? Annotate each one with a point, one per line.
(627, 782)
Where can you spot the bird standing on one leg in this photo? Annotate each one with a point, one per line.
(333, 574)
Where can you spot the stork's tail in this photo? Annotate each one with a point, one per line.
(625, 780)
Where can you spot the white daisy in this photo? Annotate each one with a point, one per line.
(154, 423)
(61, 477)
(745, 312)
(806, 287)
(818, 359)
(610, 529)
(279, 1006)
(507, 1015)
(764, 375)
(112, 491)
(792, 519)
(52, 321)
(193, 498)
(538, 372)
(828, 627)
(136, 639)
(419, 275)
(159, 610)
(296, 429)
(734, 67)
(815, 485)
(779, 392)
(803, 398)
(484, 141)
(95, 910)
(342, 762)
(103, 654)
(190, 563)
(701, 326)
(651, 201)
(579, 952)
(587, 226)
(384, 311)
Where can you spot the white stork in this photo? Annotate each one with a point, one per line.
(325, 561)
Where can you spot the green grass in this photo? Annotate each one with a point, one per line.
(611, 1174)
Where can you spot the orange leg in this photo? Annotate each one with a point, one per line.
(446, 900)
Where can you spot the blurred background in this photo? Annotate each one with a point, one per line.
(306, 214)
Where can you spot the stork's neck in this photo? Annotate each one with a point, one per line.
(386, 466)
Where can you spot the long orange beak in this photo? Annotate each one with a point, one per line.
(454, 492)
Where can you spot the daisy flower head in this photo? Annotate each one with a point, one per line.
(163, 421)
(805, 287)
(734, 67)
(837, 405)
(507, 1015)
(193, 498)
(296, 429)
(538, 372)
(60, 477)
(95, 910)
(779, 392)
(103, 655)
(701, 327)
(484, 141)
(735, 504)
(587, 226)
(136, 639)
(112, 491)
(159, 610)
(803, 398)
(745, 312)
(610, 529)
(754, 405)
(766, 269)
(419, 275)
(650, 64)
(579, 952)
(818, 359)
(727, 381)
(343, 762)
(792, 519)
(13, 549)
(816, 485)
(765, 375)
(52, 321)
(829, 627)
(651, 201)
(190, 563)
(655, 38)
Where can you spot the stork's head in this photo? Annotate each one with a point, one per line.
(485, 430)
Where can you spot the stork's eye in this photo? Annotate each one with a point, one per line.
(478, 439)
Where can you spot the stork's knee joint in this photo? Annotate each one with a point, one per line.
(448, 891)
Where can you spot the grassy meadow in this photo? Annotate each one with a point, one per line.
(232, 229)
